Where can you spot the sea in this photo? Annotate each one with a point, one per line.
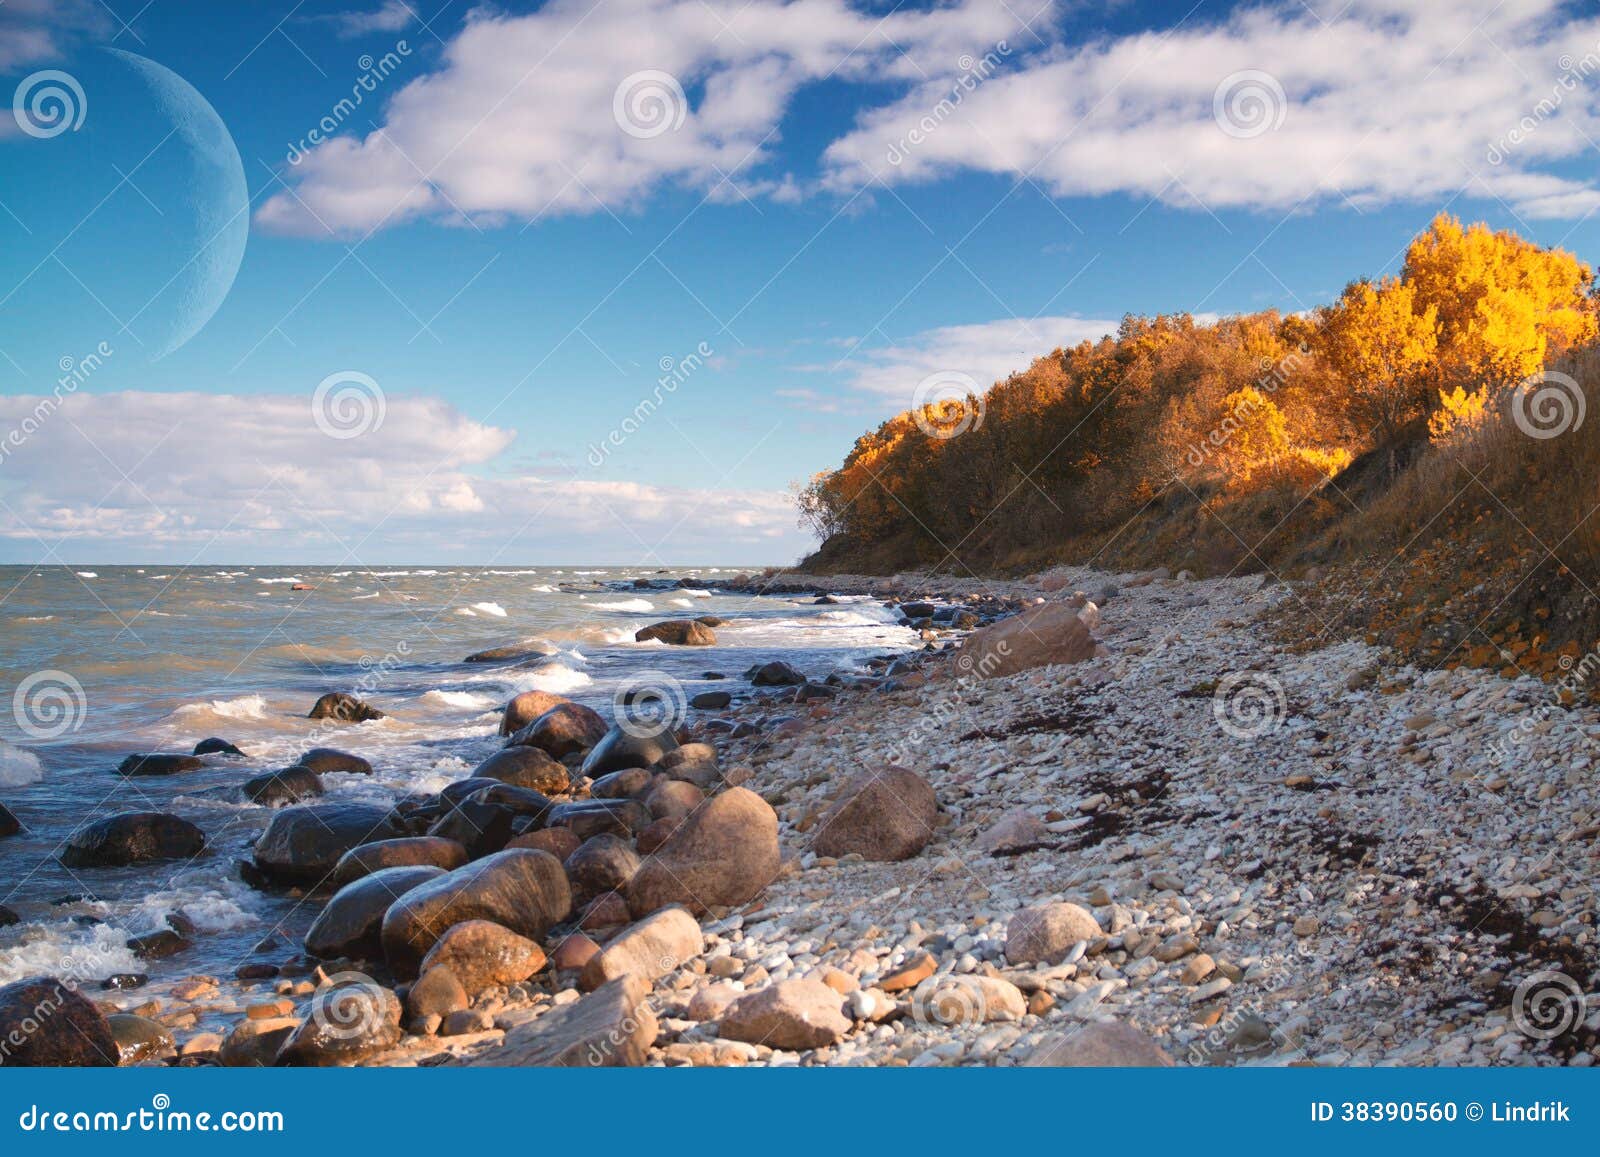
(100, 662)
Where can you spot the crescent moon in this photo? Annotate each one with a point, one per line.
(221, 198)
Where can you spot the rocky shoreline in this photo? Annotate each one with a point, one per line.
(1097, 819)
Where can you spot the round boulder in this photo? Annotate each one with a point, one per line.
(602, 863)
(482, 954)
(562, 730)
(139, 1038)
(1044, 934)
(216, 746)
(350, 924)
(887, 815)
(522, 890)
(526, 707)
(350, 1019)
(281, 788)
(327, 760)
(9, 824)
(133, 838)
(344, 707)
(303, 844)
(45, 1024)
(678, 633)
(406, 852)
(723, 854)
(620, 750)
(159, 764)
(525, 767)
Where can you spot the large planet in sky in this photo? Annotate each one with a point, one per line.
(127, 223)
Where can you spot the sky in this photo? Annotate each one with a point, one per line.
(597, 281)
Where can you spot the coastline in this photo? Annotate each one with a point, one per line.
(1308, 857)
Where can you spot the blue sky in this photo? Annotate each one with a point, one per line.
(839, 202)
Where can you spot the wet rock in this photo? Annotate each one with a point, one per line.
(884, 815)
(437, 992)
(328, 760)
(711, 701)
(723, 854)
(9, 824)
(1019, 830)
(280, 788)
(254, 1044)
(1046, 933)
(215, 746)
(347, 1023)
(349, 926)
(509, 654)
(650, 949)
(528, 767)
(523, 709)
(157, 945)
(630, 783)
(562, 730)
(133, 838)
(612, 1026)
(405, 852)
(345, 707)
(481, 955)
(593, 817)
(694, 763)
(159, 764)
(481, 828)
(792, 1014)
(658, 832)
(678, 633)
(775, 674)
(603, 863)
(303, 844)
(43, 1023)
(123, 981)
(559, 842)
(1102, 1044)
(522, 890)
(139, 1038)
(673, 798)
(620, 749)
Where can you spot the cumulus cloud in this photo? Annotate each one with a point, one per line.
(1381, 101)
(391, 16)
(985, 352)
(36, 31)
(524, 117)
(183, 474)
(1389, 100)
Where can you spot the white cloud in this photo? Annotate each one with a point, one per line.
(519, 120)
(1391, 100)
(391, 16)
(34, 31)
(233, 476)
(986, 352)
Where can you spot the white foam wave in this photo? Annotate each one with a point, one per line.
(70, 952)
(626, 605)
(244, 707)
(18, 766)
(494, 609)
(461, 700)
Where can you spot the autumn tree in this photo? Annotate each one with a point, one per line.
(1504, 305)
(1381, 342)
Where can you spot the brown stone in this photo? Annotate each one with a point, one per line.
(612, 1026)
(1046, 933)
(792, 1014)
(526, 707)
(559, 842)
(562, 730)
(254, 1044)
(484, 955)
(405, 852)
(43, 1023)
(437, 992)
(657, 833)
(672, 798)
(653, 947)
(1051, 633)
(574, 951)
(1102, 1044)
(910, 974)
(526, 767)
(724, 854)
(884, 815)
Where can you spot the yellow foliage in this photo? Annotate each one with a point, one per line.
(1504, 305)
(1381, 341)
(1253, 431)
(1459, 413)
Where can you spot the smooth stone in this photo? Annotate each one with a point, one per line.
(344, 707)
(1047, 932)
(346, 1023)
(404, 852)
(351, 923)
(523, 709)
(481, 955)
(650, 949)
(133, 838)
(562, 730)
(159, 764)
(1101, 1044)
(603, 863)
(610, 1027)
(280, 788)
(884, 816)
(678, 633)
(45, 1024)
(528, 767)
(328, 760)
(619, 750)
(724, 854)
(303, 844)
(792, 1014)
